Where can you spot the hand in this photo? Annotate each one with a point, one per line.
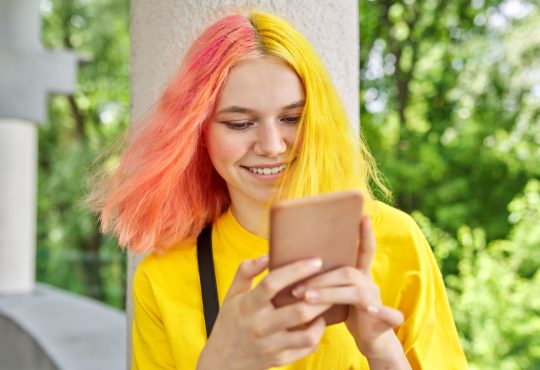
(250, 333)
(369, 321)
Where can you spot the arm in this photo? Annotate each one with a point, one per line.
(429, 334)
(369, 321)
(425, 333)
(151, 348)
(381, 347)
(250, 333)
(392, 357)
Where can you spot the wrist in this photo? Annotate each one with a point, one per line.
(209, 359)
(385, 353)
(212, 358)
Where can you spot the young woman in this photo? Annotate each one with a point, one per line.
(252, 117)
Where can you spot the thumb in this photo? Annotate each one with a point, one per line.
(243, 278)
(366, 251)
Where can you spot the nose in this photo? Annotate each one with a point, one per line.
(270, 141)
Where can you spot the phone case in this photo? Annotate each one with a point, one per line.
(324, 226)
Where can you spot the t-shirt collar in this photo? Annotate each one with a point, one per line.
(234, 233)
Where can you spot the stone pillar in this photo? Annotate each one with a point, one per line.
(18, 172)
(27, 74)
(162, 31)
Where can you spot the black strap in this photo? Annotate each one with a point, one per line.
(207, 277)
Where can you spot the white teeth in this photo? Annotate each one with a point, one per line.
(267, 170)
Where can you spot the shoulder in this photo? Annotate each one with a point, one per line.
(401, 245)
(404, 266)
(393, 224)
(180, 253)
(409, 279)
(172, 267)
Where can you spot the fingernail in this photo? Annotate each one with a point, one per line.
(298, 291)
(373, 309)
(311, 295)
(257, 261)
(315, 263)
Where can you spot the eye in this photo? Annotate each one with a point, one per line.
(238, 125)
(291, 120)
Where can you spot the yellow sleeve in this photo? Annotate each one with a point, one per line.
(151, 347)
(428, 335)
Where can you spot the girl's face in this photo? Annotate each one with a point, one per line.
(254, 128)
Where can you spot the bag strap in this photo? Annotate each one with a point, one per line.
(207, 278)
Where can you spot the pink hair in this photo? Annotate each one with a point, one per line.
(165, 188)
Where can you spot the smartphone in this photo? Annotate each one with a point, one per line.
(325, 226)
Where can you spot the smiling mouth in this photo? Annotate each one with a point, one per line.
(267, 170)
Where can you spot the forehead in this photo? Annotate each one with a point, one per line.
(261, 83)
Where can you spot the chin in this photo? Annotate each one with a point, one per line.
(263, 198)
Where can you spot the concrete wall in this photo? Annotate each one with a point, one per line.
(19, 351)
(50, 328)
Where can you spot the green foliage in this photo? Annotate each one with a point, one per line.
(494, 292)
(450, 99)
(72, 253)
(450, 110)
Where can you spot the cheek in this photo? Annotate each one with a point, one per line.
(223, 149)
(291, 134)
(222, 155)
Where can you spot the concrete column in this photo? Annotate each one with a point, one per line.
(162, 31)
(18, 157)
(27, 75)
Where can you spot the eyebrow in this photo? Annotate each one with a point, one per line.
(238, 109)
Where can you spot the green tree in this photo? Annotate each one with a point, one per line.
(494, 293)
(447, 107)
(450, 99)
(72, 253)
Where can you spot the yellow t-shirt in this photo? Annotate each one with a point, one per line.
(168, 326)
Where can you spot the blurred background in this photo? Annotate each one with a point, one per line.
(450, 106)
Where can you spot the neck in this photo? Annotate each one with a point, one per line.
(252, 217)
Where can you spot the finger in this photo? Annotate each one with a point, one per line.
(338, 277)
(245, 273)
(350, 295)
(282, 277)
(306, 338)
(389, 315)
(366, 251)
(290, 316)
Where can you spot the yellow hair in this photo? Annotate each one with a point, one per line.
(329, 155)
